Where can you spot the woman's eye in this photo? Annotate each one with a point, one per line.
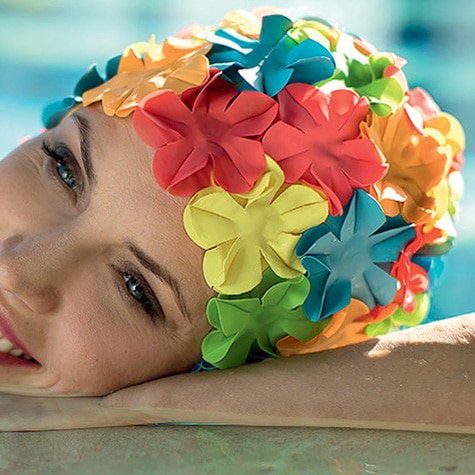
(143, 296)
(61, 165)
(65, 173)
(135, 287)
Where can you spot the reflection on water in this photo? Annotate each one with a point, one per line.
(237, 450)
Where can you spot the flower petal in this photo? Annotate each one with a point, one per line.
(326, 150)
(232, 268)
(287, 294)
(181, 178)
(155, 117)
(239, 165)
(251, 113)
(342, 329)
(339, 259)
(300, 208)
(211, 210)
(292, 149)
(216, 347)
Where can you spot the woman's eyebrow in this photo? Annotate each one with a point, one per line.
(84, 128)
(164, 275)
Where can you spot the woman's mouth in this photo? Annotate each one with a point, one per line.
(8, 349)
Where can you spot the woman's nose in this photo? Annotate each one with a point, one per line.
(29, 273)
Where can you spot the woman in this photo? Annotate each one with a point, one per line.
(317, 190)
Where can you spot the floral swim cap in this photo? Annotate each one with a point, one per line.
(321, 186)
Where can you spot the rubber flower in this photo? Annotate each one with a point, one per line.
(412, 278)
(412, 281)
(380, 79)
(433, 118)
(318, 30)
(271, 62)
(147, 67)
(210, 136)
(419, 154)
(248, 23)
(400, 319)
(419, 99)
(318, 141)
(342, 329)
(244, 234)
(256, 320)
(344, 257)
(55, 112)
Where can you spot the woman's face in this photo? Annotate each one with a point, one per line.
(99, 285)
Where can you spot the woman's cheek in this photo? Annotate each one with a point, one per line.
(95, 351)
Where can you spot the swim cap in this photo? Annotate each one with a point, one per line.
(321, 186)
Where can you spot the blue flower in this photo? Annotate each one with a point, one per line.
(350, 256)
(271, 62)
(55, 112)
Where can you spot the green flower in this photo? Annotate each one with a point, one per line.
(378, 78)
(375, 80)
(257, 320)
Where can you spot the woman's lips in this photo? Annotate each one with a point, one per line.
(12, 350)
(8, 348)
(6, 359)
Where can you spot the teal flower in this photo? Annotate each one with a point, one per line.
(56, 111)
(257, 320)
(348, 256)
(271, 62)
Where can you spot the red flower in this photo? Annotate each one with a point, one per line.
(318, 142)
(413, 279)
(209, 137)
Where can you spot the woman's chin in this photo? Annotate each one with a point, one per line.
(27, 378)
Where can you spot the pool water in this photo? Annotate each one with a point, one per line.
(177, 450)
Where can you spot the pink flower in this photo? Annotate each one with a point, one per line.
(318, 142)
(209, 137)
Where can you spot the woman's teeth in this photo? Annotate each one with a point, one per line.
(7, 347)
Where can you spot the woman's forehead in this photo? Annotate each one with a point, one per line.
(123, 186)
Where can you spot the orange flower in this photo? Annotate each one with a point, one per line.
(146, 67)
(343, 329)
(248, 23)
(419, 152)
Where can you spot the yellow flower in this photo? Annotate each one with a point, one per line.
(319, 31)
(147, 67)
(243, 234)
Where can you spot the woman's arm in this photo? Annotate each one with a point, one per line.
(418, 379)
(421, 379)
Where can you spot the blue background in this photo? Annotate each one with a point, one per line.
(46, 45)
